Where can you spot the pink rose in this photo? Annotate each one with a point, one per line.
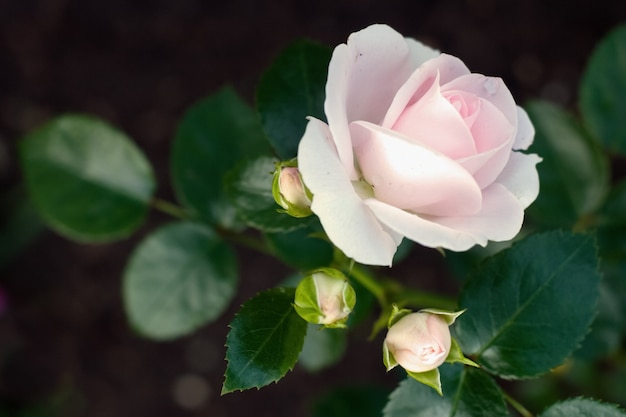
(416, 146)
(418, 342)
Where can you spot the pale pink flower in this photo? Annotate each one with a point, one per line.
(416, 146)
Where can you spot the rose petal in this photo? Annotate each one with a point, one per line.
(432, 121)
(525, 131)
(520, 177)
(413, 177)
(490, 128)
(499, 220)
(491, 89)
(418, 229)
(485, 167)
(493, 135)
(420, 53)
(347, 221)
(363, 77)
(446, 67)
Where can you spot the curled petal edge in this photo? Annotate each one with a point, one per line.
(347, 221)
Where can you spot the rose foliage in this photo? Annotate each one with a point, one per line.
(348, 152)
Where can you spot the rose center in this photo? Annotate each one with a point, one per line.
(468, 106)
(430, 353)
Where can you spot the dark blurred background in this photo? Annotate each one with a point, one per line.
(65, 347)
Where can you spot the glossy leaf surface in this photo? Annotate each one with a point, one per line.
(539, 296)
(264, 341)
(87, 180)
(179, 278)
(467, 392)
(214, 135)
(289, 91)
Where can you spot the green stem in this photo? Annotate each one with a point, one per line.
(247, 241)
(169, 208)
(517, 406)
(238, 238)
(370, 283)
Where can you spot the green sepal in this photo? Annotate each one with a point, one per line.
(305, 301)
(429, 378)
(388, 360)
(396, 314)
(455, 355)
(448, 316)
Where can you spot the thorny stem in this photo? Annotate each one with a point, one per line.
(523, 411)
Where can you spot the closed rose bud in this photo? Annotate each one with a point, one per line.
(290, 192)
(325, 297)
(419, 342)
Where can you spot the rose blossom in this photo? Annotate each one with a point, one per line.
(419, 342)
(416, 146)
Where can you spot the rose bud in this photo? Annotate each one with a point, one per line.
(325, 297)
(419, 342)
(290, 192)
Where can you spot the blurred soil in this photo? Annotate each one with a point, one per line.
(65, 346)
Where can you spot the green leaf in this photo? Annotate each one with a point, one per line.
(614, 273)
(214, 135)
(264, 341)
(460, 264)
(249, 187)
(530, 306)
(322, 348)
(88, 181)
(179, 278)
(611, 223)
(603, 91)
(301, 248)
(574, 173)
(605, 335)
(583, 407)
(289, 91)
(361, 401)
(467, 392)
